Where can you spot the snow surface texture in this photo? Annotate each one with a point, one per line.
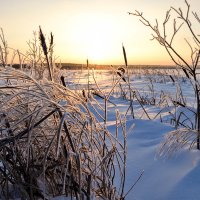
(174, 178)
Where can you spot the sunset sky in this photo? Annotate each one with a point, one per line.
(93, 29)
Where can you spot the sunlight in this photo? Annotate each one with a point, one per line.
(95, 36)
(96, 50)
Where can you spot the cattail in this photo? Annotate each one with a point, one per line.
(97, 94)
(83, 93)
(184, 70)
(121, 73)
(125, 58)
(44, 48)
(121, 69)
(51, 41)
(172, 78)
(43, 42)
(62, 78)
(121, 76)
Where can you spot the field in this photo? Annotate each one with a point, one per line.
(102, 134)
(168, 171)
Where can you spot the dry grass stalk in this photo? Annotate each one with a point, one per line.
(51, 143)
(3, 49)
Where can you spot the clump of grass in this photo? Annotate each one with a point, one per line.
(51, 144)
(176, 140)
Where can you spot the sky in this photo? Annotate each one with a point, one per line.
(91, 29)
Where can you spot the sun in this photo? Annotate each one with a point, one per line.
(95, 37)
(96, 49)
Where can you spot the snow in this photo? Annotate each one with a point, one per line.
(174, 178)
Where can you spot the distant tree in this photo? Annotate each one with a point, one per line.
(166, 36)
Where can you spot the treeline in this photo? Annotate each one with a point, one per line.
(75, 66)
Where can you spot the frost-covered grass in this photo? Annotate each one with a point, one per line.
(160, 146)
(58, 142)
(52, 144)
